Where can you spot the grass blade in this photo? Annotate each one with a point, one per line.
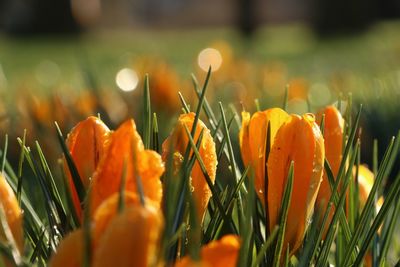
(287, 194)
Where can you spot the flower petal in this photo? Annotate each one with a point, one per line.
(298, 140)
(131, 239)
(126, 147)
(87, 143)
(201, 190)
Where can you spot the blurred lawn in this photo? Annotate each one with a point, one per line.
(372, 54)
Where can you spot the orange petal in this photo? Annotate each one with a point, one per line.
(254, 148)
(201, 191)
(109, 209)
(126, 146)
(69, 252)
(131, 239)
(244, 138)
(298, 140)
(333, 136)
(87, 143)
(12, 212)
(221, 253)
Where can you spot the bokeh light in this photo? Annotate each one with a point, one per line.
(319, 94)
(209, 57)
(297, 106)
(127, 79)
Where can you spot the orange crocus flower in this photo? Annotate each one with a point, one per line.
(299, 140)
(201, 191)
(221, 253)
(126, 147)
(131, 238)
(12, 212)
(333, 136)
(109, 209)
(252, 138)
(87, 143)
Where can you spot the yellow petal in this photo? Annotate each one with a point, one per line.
(299, 140)
(253, 149)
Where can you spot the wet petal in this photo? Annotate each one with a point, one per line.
(299, 139)
(126, 147)
(201, 190)
(258, 133)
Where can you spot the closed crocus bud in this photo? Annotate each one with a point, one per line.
(87, 143)
(299, 140)
(69, 252)
(180, 140)
(221, 253)
(126, 148)
(109, 208)
(13, 214)
(253, 138)
(333, 136)
(131, 238)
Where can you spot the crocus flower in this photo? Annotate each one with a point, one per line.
(12, 212)
(131, 238)
(180, 140)
(126, 148)
(333, 136)
(220, 253)
(109, 209)
(252, 138)
(299, 140)
(87, 143)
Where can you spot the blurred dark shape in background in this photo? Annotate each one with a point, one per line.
(328, 17)
(350, 16)
(25, 17)
(247, 21)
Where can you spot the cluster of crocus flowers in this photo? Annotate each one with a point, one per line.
(292, 138)
(105, 160)
(126, 237)
(129, 236)
(178, 141)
